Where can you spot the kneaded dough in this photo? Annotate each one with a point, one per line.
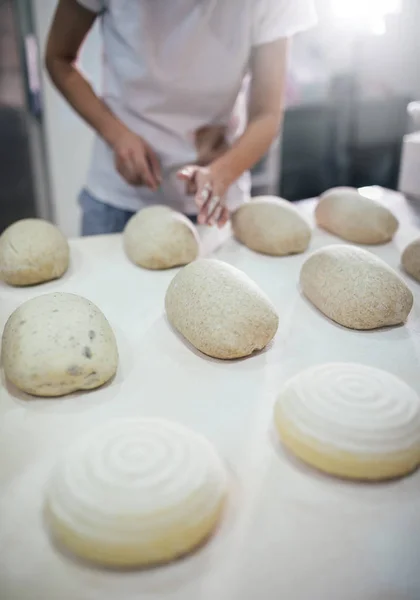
(136, 492)
(58, 343)
(220, 310)
(157, 237)
(351, 420)
(271, 226)
(32, 251)
(411, 259)
(355, 288)
(346, 213)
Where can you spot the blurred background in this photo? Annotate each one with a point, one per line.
(350, 81)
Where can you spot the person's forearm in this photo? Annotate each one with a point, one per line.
(248, 150)
(80, 94)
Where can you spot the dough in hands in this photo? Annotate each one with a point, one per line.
(411, 259)
(136, 492)
(351, 420)
(157, 237)
(272, 226)
(355, 288)
(350, 215)
(32, 251)
(220, 310)
(58, 343)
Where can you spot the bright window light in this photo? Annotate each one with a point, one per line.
(369, 9)
(364, 14)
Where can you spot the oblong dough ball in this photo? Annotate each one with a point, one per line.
(58, 343)
(32, 251)
(136, 492)
(351, 420)
(220, 310)
(355, 288)
(272, 226)
(157, 237)
(411, 259)
(345, 212)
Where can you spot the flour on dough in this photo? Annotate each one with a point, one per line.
(411, 259)
(271, 226)
(136, 492)
(58, 343)
(351, 420)
(348, 214)
(220, 310)
(158, 237)
(32, 251)
(355, 288)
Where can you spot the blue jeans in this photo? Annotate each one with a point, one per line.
(99, 218)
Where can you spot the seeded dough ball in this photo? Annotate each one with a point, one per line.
(411, 259)
(220, 310)
(58, 343)
(157, 237)
(346, 213)
(32, 251)
(271, 226)
(355, 288)
(351, 420)
(136, 492)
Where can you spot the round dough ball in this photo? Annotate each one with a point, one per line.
(271, 226)
(351, 420)
(346, 213)
(355, 288)
(157, 237)
(58, 343)
(32, 251)
(411, 259)
(136, 492)
(220, 310)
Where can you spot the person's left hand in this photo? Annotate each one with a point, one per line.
(210, 192)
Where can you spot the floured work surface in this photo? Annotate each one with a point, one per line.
(289, 532)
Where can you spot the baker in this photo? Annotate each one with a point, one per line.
(192, 99)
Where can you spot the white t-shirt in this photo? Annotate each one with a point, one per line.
(173, 66)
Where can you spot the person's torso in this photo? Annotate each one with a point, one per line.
(170, 68)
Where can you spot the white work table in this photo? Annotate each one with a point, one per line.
(289, 533)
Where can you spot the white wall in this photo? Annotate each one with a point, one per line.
(68, 139)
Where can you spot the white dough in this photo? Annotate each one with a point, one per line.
(32, 251)
(58, 343)
(350, 215)
(220, 310)
(351, 420)
(136, 492)
(157, 237)
(355, 288)
(272, 226)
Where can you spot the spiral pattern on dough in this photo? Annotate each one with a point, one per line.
(136, 482)
(352, 408)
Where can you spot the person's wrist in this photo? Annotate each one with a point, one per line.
(222, 171)
(112, 132)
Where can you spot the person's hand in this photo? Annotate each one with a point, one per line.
(210, 192)
(136, 162)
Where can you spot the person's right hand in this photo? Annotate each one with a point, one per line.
(136, 162)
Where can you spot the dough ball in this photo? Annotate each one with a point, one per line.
(345, 212)
(157, 237)
(136, 492)
(220, 310)
(32, 251)
(58, 343)
(271, 226)
(351, 420)
(355, 288)
(411, 259)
